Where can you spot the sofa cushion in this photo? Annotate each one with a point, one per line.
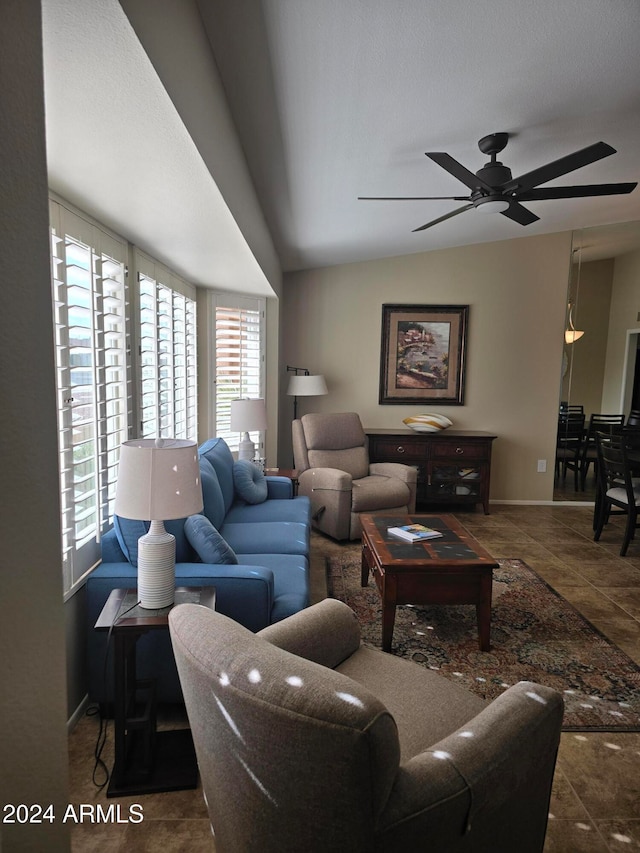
(289, 509)
(213, 500)
(216, 451)
(209, 545)
(290, 581)
(129, 530)
(267, 537)
(249, 482)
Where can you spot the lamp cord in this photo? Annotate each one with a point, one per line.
(96, 710)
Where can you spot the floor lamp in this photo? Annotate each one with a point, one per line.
(158, 479)
(303, 384)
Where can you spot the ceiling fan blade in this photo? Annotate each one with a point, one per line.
(576, 192)
(520, 214)
(560, 167)
(413, 198)
(442, 218)
(458, 171)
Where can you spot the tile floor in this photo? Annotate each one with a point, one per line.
(595, 806)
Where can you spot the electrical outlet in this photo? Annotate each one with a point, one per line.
(542, 466)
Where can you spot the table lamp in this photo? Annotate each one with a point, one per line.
(247, 415)
(158, 479)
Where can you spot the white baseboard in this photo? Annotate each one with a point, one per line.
(543, 503)
(73, 720)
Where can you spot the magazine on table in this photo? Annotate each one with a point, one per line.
(414, 532)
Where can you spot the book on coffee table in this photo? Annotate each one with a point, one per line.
(413, 532)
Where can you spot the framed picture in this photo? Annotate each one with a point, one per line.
(423, 354)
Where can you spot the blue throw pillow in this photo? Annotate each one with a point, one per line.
(249, 482)
(129, 530)
(207, 542)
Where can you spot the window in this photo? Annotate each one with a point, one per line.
(167, 350)
(239, 357)
(92, 383)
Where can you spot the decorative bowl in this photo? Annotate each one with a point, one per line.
(427, 422)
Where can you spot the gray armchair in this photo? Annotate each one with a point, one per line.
(331, 455)
(308, 740)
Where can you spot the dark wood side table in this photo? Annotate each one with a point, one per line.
(146, 760)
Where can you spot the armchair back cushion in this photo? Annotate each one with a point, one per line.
(336, 441)
(292, 725)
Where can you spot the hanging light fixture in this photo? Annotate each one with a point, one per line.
(571, 334)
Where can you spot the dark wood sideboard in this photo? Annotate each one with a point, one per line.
(454, 465)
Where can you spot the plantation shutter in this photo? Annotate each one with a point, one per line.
(167, 351)
(239, 358)
(92, 382)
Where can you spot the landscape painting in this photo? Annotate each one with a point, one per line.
(422, 354)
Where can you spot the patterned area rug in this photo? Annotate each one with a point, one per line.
(536, 635)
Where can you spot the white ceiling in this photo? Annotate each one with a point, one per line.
(333, 99)
(341, 98)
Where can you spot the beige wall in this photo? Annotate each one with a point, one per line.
(625, 309)
(33, 735)
(584, 380)
(516, 291)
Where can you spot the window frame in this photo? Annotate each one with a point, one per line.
(251, 316)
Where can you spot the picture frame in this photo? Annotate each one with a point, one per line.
(423, 354)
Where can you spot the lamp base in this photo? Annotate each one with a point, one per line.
(246, 448)
(156, 568)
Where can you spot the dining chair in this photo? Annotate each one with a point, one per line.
(569, 444)
(634, 418)
(589, 453)
(619, 492)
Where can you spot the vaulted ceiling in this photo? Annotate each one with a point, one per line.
(336, 99)
(331, 100)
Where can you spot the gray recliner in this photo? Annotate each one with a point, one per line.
(308, 740)
(331, 455)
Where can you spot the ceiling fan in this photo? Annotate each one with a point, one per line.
(494, 190)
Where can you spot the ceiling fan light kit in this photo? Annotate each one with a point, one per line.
(492, 205)
(494, 190)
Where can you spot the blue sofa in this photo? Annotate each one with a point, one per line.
(269, 582)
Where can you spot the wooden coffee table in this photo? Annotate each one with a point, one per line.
(452, 569)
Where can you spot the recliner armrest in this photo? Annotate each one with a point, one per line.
(406, 473)
(326, 633)
(332, 479)
(478, 773)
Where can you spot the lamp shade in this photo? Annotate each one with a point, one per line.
(307, 386)
(158, 479)
(248, 415)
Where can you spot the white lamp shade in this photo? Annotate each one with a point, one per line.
(158, 479)
(248, 415)
(307, 386)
